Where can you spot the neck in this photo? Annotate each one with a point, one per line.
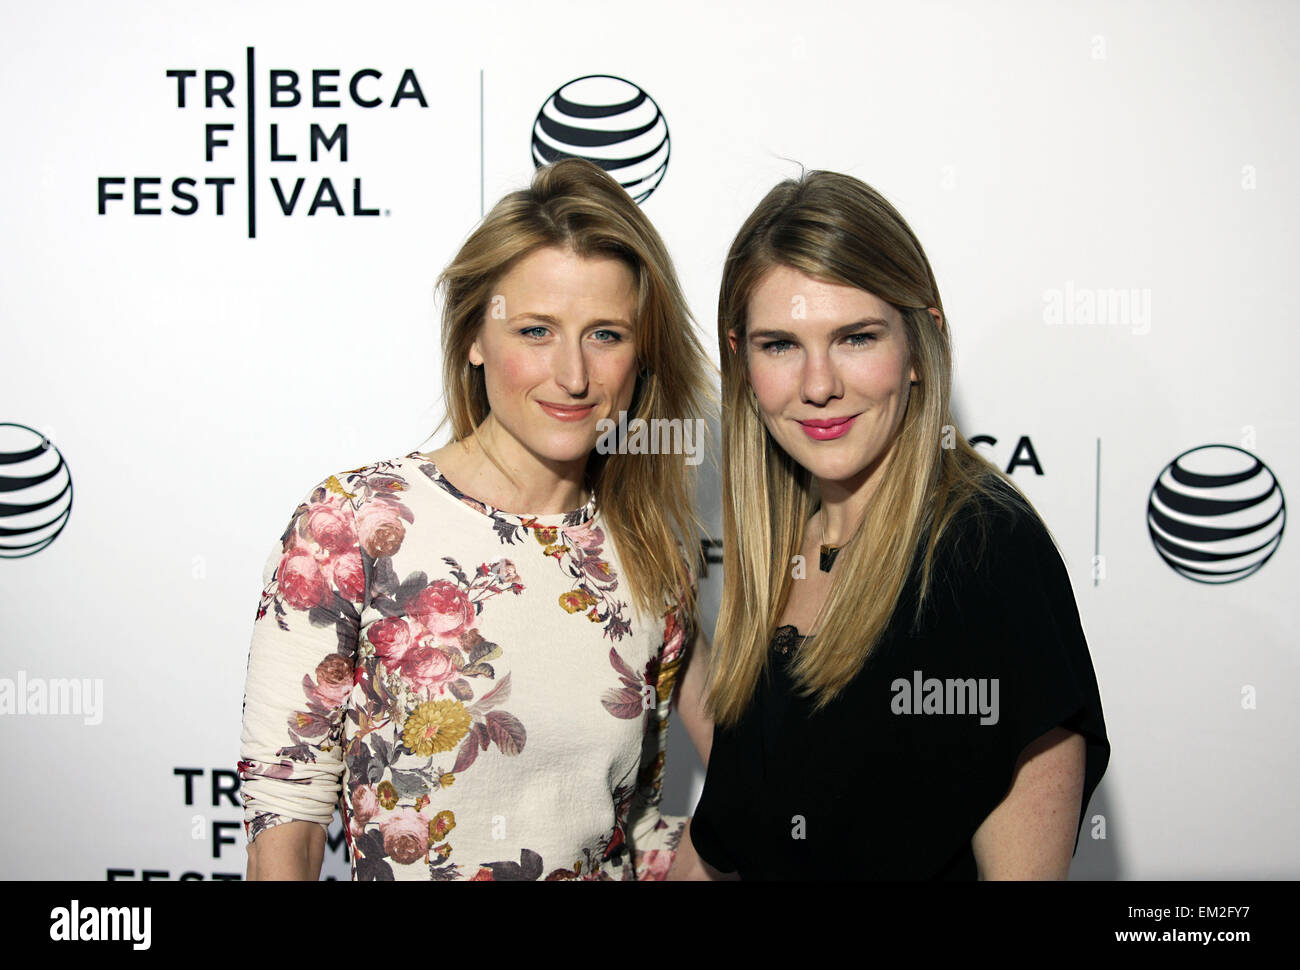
(844, 503)
(533, 486)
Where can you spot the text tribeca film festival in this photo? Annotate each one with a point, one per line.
(217, 92)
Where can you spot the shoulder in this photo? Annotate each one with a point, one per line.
(357, 493)
(381, 480)
(998, 541)
(395, 467)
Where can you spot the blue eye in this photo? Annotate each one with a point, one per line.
(614, 335)
(777, 346)
(862, 339)
(532, 332)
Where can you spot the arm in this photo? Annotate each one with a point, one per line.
(291, 850)
(1053, 743)
(690, 698)
(300, 671)
(687, 864)
(1030, 835)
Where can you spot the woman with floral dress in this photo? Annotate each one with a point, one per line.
(472, 652)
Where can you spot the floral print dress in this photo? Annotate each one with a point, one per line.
(473, 689)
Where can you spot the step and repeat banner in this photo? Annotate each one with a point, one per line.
(221, 233)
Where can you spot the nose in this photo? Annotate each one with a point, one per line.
(821, 381)
(571, 368)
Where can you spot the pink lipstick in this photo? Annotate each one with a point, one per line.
(824, 429)
(567, 412)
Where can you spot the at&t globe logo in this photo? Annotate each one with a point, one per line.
(1216, 514)
(35, 491)
(609, 121)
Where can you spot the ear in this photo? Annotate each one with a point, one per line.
(731, 338)
(938, 317)
(475, 354)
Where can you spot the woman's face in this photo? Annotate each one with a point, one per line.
(831, 371)
(558, 351)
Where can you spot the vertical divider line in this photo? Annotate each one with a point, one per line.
(252, 175)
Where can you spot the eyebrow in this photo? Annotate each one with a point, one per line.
(837, 332)
(547, 318)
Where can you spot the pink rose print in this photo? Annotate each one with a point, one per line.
(391, 639)
(406, 835)
(443, 608)
(329, 526)
(347, 574)
(587, 537)
(427, 667)
(656, 863)
(365, 804)
(380, 529)
(301, 584)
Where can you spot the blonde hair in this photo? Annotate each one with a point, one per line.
(837, 229)
(647, 503)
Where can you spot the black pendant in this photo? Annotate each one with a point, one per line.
(828, 555)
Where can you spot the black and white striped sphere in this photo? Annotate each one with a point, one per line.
(35, 491)
(1216, 514)
(609, 121)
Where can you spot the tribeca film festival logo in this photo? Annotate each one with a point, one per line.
(1216, 514)
(609, 121)
(35, 491)
(218, 95)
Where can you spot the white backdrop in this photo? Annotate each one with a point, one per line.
(196, 381)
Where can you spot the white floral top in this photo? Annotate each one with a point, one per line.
(474, 689)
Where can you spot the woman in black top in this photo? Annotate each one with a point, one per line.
(900, 685)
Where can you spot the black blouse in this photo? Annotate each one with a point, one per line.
(891, 780)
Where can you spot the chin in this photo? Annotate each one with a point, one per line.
(574, 446)
(830, 467)
(836, 471)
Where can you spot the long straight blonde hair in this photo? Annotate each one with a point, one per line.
(837, 229)
(647, 501)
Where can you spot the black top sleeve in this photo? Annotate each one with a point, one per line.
(1042, 660)
(707, 845)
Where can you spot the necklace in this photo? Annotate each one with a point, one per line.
(828, 553)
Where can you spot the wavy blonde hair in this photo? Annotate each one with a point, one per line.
(837, 229)
(646, 501)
